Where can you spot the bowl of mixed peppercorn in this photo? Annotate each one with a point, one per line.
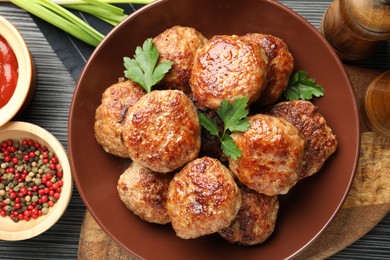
(35, 180)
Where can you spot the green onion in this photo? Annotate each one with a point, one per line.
(56, 13)
(63, 2)
(72, 26)
(107, 16)
(103, 5)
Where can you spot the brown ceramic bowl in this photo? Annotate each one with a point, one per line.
(26, 72)
(304, 212)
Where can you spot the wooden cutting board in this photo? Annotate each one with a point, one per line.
(366, 205)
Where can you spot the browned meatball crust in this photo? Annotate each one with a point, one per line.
(281, 65)
(144, 192)
(228, 67)
(320, 140)
(179, 44)
(255, 221)
(272, 154)
(111, 113)
(202, 198)
(162, 131)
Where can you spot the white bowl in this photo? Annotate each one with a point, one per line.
(27, 75)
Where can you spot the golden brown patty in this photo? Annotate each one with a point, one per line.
(228, 67)
(179, 44)
(255, 220)
(144, 192)
(162, 131)
(320, 140)
(202, 198)
(281, 65)
(111, 114)
(272, 154)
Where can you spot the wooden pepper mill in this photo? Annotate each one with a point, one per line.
(355, 28)
(377, 104)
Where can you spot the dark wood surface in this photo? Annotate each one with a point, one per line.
(60, 59)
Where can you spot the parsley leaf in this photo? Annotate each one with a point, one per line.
(144, 68)
(230, 148)
(233, 117)
(301, 87)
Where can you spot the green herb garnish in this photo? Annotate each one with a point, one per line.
(233, 117)
(144, 69)
(300, 87)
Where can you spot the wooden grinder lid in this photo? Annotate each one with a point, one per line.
(371, 15)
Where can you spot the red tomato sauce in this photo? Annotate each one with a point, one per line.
(8, 72)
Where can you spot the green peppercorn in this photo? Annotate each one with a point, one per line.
(45, 210)
(37, 181)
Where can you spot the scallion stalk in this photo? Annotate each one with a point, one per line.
(55, 12)
(63, 2)
(36, 7)
(113, 19)
(103, 5)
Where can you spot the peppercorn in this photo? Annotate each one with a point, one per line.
(30, 179)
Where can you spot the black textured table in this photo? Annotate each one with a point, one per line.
(59, 59)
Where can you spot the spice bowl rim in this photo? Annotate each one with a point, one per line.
(26, 71)
(22, 230)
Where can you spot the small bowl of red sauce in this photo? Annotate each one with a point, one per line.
(17, 72)
(36, 183)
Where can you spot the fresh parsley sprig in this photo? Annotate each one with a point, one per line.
(233, 117)
(301, 87)
(144, 68)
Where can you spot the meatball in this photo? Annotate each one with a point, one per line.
(281, 65)
(226, 68)
(202, 198)
(144, 192)
(111, 113)
(162, 131)
(272, 154)
(179, 44)
(255, 221)
(320, 140)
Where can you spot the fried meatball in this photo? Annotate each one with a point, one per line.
(320, 140)
(281, 65)
(272, 154)
(162, 131)
(144, 192)
(111, 113)
(179, 44)
(255, 221)
(202, 198)
(228, 67)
